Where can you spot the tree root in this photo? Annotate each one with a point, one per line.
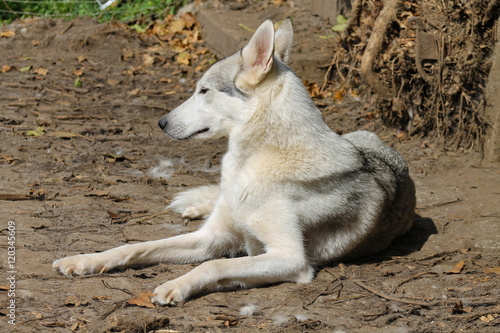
(387, 15)
(491, 13)
(355, 16)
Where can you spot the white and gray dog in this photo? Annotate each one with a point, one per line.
(293, 194)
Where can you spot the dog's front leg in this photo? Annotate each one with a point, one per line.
(215, 239)
(284, 260)
(249, 271)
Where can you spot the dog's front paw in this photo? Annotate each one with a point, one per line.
(170, 293)
(81, 264)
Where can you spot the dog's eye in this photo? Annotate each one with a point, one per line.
(203, 91)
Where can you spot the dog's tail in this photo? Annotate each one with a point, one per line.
(370, 143)
(197, 202)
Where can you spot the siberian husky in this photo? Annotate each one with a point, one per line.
(293, 194)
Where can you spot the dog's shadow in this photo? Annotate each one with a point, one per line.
(411, 242)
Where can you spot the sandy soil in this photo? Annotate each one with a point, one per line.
(90, 182)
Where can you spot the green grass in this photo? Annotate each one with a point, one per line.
(123, 10)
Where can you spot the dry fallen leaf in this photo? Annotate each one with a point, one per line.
(488, 318)
(37, 314)
(7, 34)
(6, 287)
(73, 327)
(147, 60)
(189, 19)
(113, 82)
(184, 58)
(41, 71)
(134, 92)
(127, 54)
(495, 270)
(25, 69)
(35, 43)
(112, 158)
(78, 71)
(79, 325)
(338, 96)
(39, 131)
(101, 298)
(177, 26)
(458, 308)
(53, 324)
(11, 160)
(75, 301)
(457, 269)
(97, 193)
(398, 133)
(144, 300)
(6, 68)
(81, 58)
(312, 88)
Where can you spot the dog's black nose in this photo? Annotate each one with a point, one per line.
(162, 123)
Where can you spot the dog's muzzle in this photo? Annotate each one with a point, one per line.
(162, 123)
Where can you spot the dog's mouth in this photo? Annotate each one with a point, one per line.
(203, 130)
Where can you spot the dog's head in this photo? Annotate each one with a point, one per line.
(224, 95)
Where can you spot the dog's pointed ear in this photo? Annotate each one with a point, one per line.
(257, 57)
(283, 40)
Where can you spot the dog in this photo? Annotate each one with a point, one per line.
(293, 194)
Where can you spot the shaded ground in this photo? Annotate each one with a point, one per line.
(93, 185)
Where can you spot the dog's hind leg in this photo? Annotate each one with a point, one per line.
(197, 202)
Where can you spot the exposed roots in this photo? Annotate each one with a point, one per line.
(427, 79)
(387, 15)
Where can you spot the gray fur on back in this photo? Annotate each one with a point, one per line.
(391, 174)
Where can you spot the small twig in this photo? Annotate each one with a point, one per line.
(412, 278)
(69, 26)
(345, 299)
(439, 204)
(152, 216)
(77, 90)
(116, 288)
(20, 85)
(79, 117)
(485, 313)
(13, 11)
(245, 27)
(79, 277)
(474, 302)
(117, 306)
(324, 292)
(325, 78)
(437, 254)
(391, 298)
(18, 197)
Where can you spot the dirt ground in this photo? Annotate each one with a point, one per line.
(101, 174)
